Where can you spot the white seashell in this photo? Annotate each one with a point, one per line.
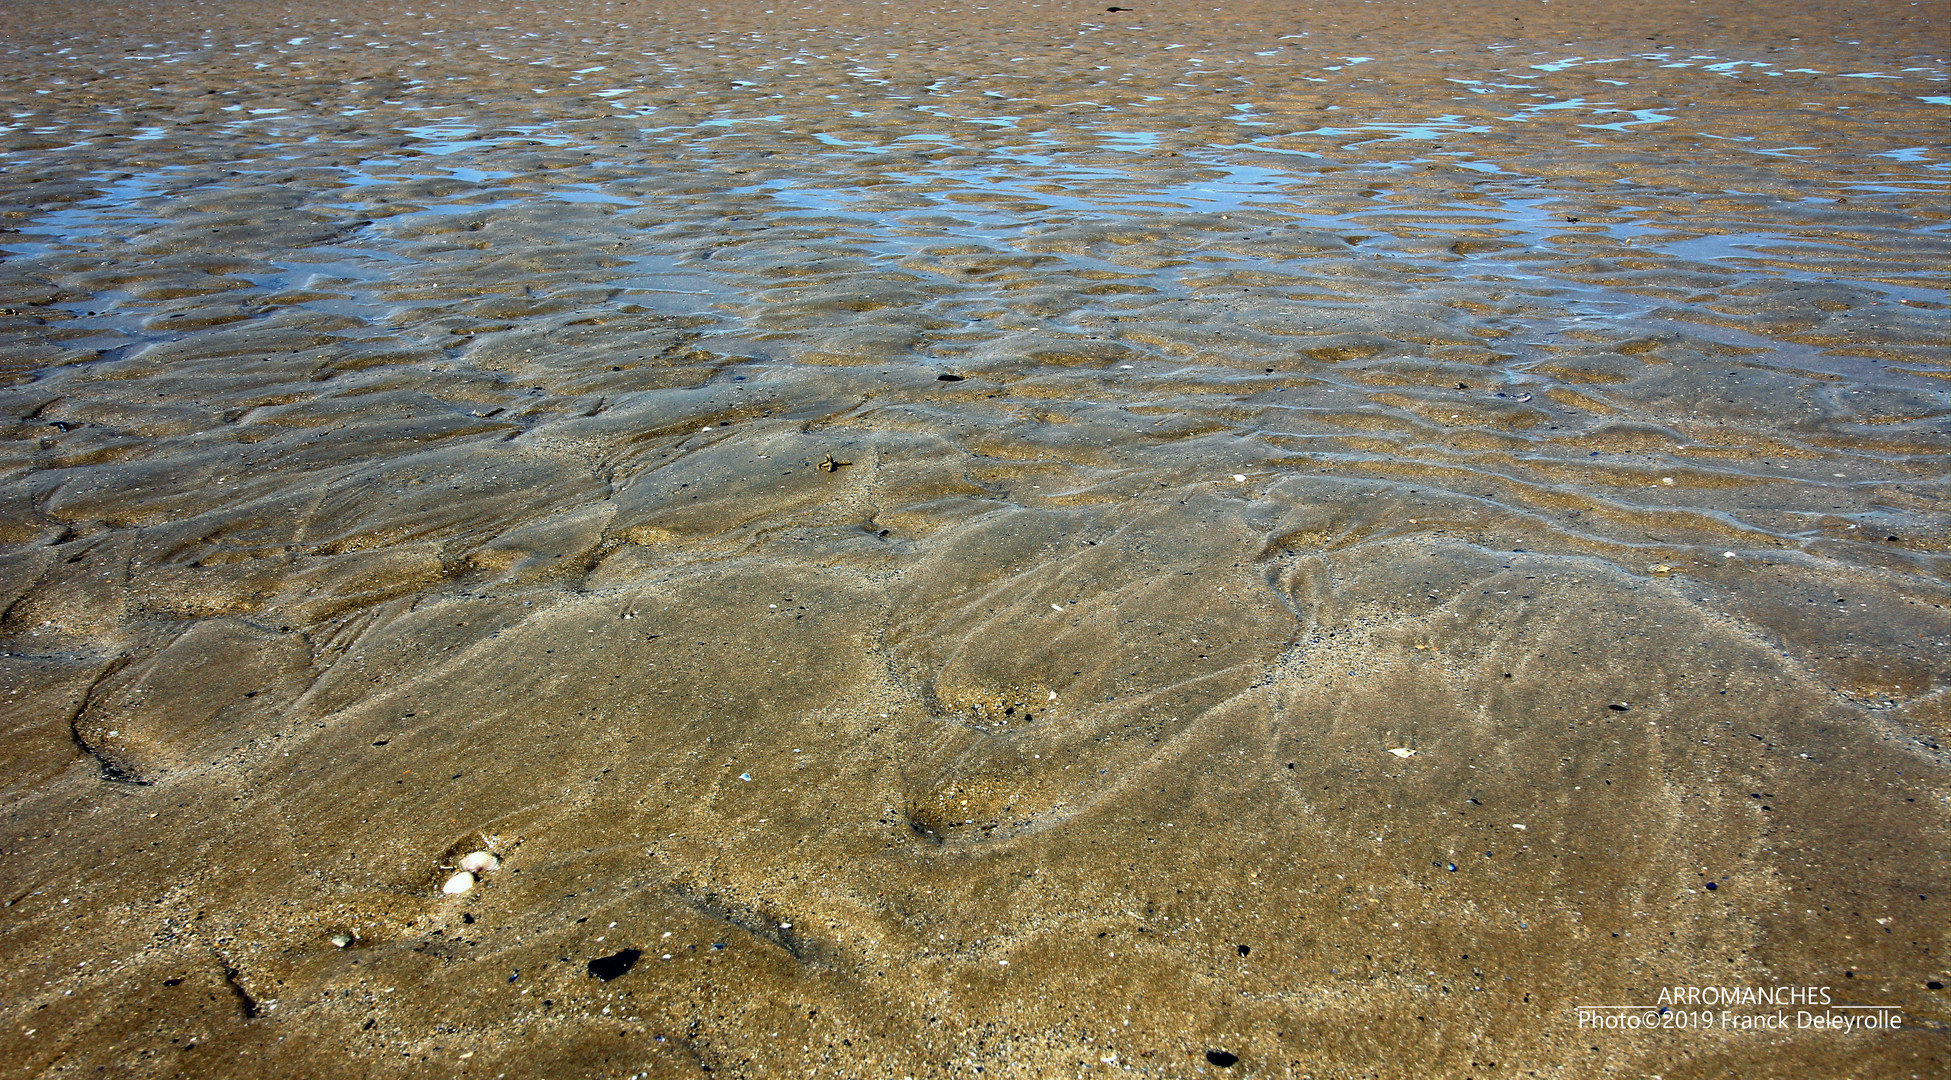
(1403, 752)
(476, 861)
(458, 884)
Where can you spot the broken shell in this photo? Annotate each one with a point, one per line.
(458, 884)
(476, 861)
(1403, 752)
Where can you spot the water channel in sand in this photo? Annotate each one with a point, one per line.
(1019, 538)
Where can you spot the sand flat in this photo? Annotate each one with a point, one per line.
(1019, 539)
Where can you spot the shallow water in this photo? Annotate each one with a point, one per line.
(414, 439)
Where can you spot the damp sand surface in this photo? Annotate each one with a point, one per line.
(1018, 540)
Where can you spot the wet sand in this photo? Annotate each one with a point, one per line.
(1011, 540)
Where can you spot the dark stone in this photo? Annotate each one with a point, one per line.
(1245, 949)
(955, 378)
(1711, 886)
(1222, 1059)
(614, 965)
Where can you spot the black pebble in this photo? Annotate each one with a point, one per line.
(614, 965)
(1934, 985)
(1451, 867)
(955, 378)
(1711, 886)
(1222, 1059)
(1619, 706)
(1245, 949)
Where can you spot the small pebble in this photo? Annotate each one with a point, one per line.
(458, 884)
(342, 939)
(1239, 478)
(605, 968)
